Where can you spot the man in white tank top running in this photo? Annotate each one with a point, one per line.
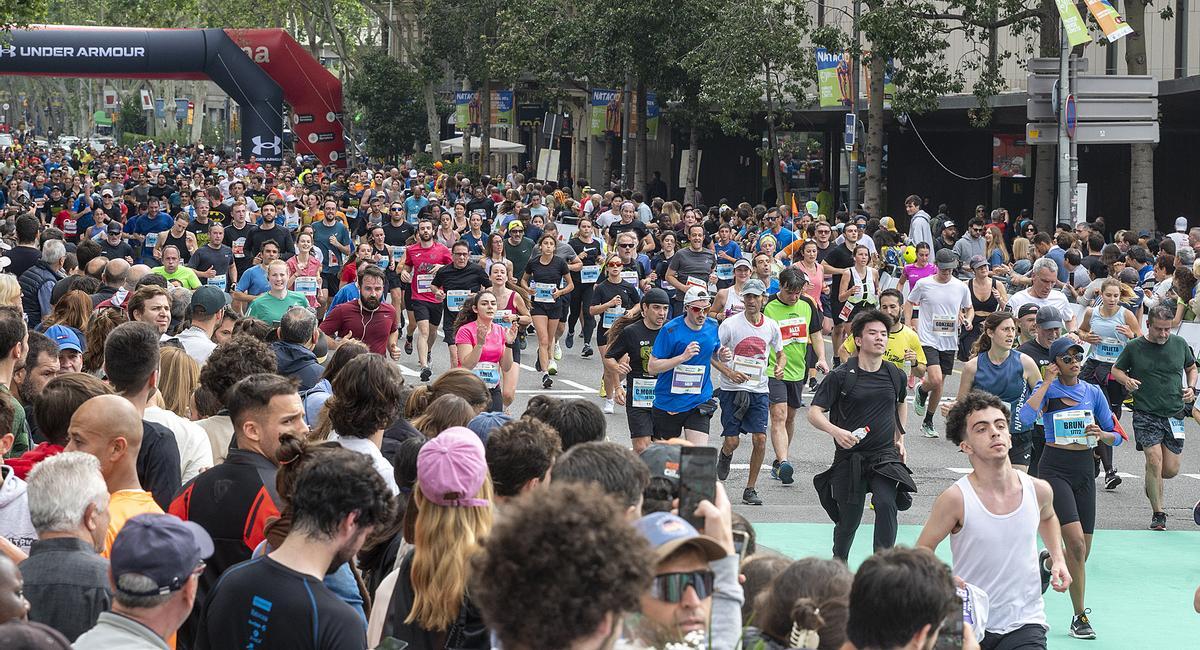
(993, 517)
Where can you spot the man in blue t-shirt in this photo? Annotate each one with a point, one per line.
(682, 357)
(145, 229)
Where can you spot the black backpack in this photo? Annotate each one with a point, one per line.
(850, 378)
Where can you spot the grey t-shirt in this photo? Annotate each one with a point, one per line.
(692, 264)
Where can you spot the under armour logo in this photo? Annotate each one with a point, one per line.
(274, 147)
(8, 51)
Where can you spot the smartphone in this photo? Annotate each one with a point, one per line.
(740, 540)
(697, 481)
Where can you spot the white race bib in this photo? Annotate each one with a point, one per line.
(1070, 426)
(239, 247)
(306, 285)
(543, 291)
(630, 276)
(793, 330)
(1107, 350)
(945, 324)
(1177, 428)
(397, 254)
(501, 316)
(218, 281)
(693, 281)
(424, 282)
(610, 316)
(291, 221)
(489, 372)
(724, 271)
(455, 299)
(151, 239)
(643, 393)
(589, 274)
(751, 367)
(687, 379)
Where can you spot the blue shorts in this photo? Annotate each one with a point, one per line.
(753, 419)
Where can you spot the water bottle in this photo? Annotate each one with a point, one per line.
(861, 433)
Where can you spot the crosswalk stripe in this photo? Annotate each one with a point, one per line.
(1195, 476)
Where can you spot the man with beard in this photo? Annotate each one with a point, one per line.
(237, 233)
(421, 263)
(233, 500)
(367, 319)
(29, 379)
(213, 263)
(280, 600)
(270, 230)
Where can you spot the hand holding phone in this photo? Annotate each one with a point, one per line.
(697, 482)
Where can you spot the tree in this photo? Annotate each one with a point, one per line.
(1141, 156)
(386, 92)
(21, 13)
(132, 118)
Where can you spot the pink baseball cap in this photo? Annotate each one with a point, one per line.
(451, 469)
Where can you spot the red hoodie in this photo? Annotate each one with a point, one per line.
(24, 463)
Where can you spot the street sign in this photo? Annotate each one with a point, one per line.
(1050, 65)
(1072, 119)
(1085, 86)
(851, 129)
(1105, 109)
(1096, 133)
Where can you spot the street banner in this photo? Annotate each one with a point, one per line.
(466, 109)
(1109, 19)
(147, 101)
(111, 101)
(889, 83)
(833, 78)
(652, 114)
(606, 111)
(181, 109)
(160, 108)
(1077, 32)
(502, 107)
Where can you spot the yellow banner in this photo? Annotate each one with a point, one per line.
(1109, 19)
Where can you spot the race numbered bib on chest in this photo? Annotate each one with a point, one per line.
(1107, 350)
(611, 315)
(218, 281)
(455, 298)
(589, 274)
(794, 330)
(543, 291)
(694, 281)
(292, 221)
(501, 317)
(151, 239)
(724, 271)
(687, 379)
(630, 276)
(643, 393)
(489, 372)
(1177, 428)
(945, 324)
(751, 367)
(424, 282)
(1070, 427)
(397, 254)
(306, 285)
(239, 247)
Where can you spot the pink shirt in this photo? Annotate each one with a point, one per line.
(310, 270)
(914, 273)
(493, 348)
(423, 261)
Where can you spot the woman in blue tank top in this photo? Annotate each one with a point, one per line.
(998, 369)
(1107, 327)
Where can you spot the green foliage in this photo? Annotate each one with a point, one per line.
(451, 167)
(20, 13)
(132, 119)
(388, 93)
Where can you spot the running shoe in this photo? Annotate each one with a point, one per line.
(919, 403)
(928, 431)
(610, 406)
(1044, 569)
(1081, 628)
(570, 340)
(1158, 521)
(1196, 513)
(1111, 480)
(912, 382)
(547, 382)
(408, 345)
(523, 342)
(426, 373)
(557, 352)
(775, 474)
(603, 393)
(723, 463)
(812, 384)
(750, 497)
(786, 473)
(587, 352)
(1096, 465)
(553, 369)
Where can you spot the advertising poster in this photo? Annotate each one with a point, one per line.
(1077, 33)
(606, 111)
(466, 109)
(502, 107)
(652, 115)
(833, 78)
(1109, 19)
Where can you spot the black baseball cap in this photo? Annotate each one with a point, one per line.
(656, 296)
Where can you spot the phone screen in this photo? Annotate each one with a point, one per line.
(697, 481)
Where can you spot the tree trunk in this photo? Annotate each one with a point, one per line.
(433, 122)
(199, 92)
(466, 135)
(580, 132)
(873, 186)
(693, 168)
(485, 135)
(1141, 156)
(1043, 179)
(639, 159)
(773, 139)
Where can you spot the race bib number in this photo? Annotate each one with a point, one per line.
(424, 282)
(751, 367)
(543, 291)
(847, 309)
(1070, 426)
(489, 372)
(697, 282)
(239, 247)
(630, 276)
(794, 330)
(455, 299)
(218, 281)
(945, 324)
(724, 271)
(590, 274)
(397, 254)
(151, 240)
(688, 379)
(611, 315)
(1107, 350)
(383, 263)
(70, 226)
(291, 221)
(643, 393)
(1177, 428)
(306, 285)
(501, 317)
(333, 258)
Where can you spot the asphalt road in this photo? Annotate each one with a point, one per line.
(935, 463)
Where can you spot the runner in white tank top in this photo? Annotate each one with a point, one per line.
(993, 517)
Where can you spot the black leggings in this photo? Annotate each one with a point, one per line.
(581, 300)
(1069, 473)
(1114, 392)
(883, 496)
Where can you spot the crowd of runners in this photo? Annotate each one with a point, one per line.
(208, 442)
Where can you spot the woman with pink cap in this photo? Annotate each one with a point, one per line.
(424, 602)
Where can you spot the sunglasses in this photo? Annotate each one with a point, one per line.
(696, 310)
(627, 245)
(616, 265)
(1071, 358)
(670, 587)
(397, 209)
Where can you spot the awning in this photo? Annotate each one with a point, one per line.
(455, 145)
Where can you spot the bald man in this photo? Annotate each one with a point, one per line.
(109, 427)
(113, 277)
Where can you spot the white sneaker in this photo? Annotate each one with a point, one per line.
(610, 406)
(557, 351)
(553, 369)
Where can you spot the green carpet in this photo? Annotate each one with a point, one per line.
(1140, 584)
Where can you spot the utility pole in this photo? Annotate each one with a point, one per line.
(1064, 140)
(626, 122)
(855, 61)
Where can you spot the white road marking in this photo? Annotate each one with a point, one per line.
(747, 466)
(563, 380)
(558, 393)
(1195, 476)
(961, 470)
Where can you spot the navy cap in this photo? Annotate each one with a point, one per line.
(161, 547)
(656, 296)
(667, 533)
(485, 423)
(1063, 346)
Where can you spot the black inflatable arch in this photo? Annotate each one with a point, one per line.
(157, 54)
